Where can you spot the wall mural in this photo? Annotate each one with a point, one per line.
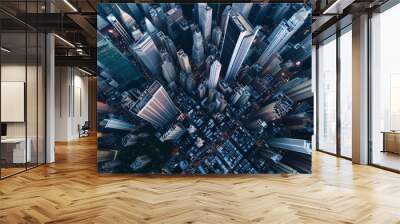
(204, 88)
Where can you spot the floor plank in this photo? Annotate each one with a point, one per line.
(71, 191)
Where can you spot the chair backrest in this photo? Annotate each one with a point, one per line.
(86, 125)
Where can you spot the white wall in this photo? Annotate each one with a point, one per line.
(62, 81)
(71, 102)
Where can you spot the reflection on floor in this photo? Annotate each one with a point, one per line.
(386, 159)
(71, 191)
(8, 170)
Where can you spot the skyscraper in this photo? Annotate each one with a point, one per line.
(152, 31)
(174, 133)
(214, 74)
(201, 90)
(216, 36)
(245, 97)
(291, 144)
(205, 19)
(155, 106)
(275, 41)
(275, 110)
(101, 23)
(135, 11)
(174, 15)
(243, 8)
(137, 34)
(148, 54)
(298, 89)
(111, 59)
(120, 29)
(145, 8)
(159, 39)
(241, 96)
(163, 18)
(182, 78)
(208, 62)
(196, 11)
(198, 49)
(156, 19)
(168, 69)
(149, 26)
(280, 11)
(274, 65)
(282, 34)
(185, 35)
(116, 124)
(225, 17)
(190, 84)
(183, 60)
(221, 102)
(238, 38)
(259, 12)
(127, 20)
(166, 43)
(171, 48)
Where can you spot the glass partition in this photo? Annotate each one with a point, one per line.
(22, 77)
(13, 94)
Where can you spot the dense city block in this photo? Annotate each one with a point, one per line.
(205, 88)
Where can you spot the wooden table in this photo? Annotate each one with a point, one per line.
(391, 141)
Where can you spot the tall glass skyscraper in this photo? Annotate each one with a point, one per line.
(155, 106)
(238, 38)
(120, 29)
(110, 58)
(214, 74)
(282, 34)
(148, 54)
(205, 19)
(198, 49)
(183, 60)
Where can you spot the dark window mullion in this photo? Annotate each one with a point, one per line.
(0, 96)
(338, 93)
(26, 86)
(317, 97)
(37, 90)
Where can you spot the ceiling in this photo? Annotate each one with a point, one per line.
(331, 15)
(74, 22)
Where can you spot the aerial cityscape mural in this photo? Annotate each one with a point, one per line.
(204, 88)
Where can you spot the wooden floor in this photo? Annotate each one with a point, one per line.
(71, 191)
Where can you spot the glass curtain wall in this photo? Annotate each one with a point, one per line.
(327, 95)
(385, 89)
(22, 89)
(334, 70)
(346, 92)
